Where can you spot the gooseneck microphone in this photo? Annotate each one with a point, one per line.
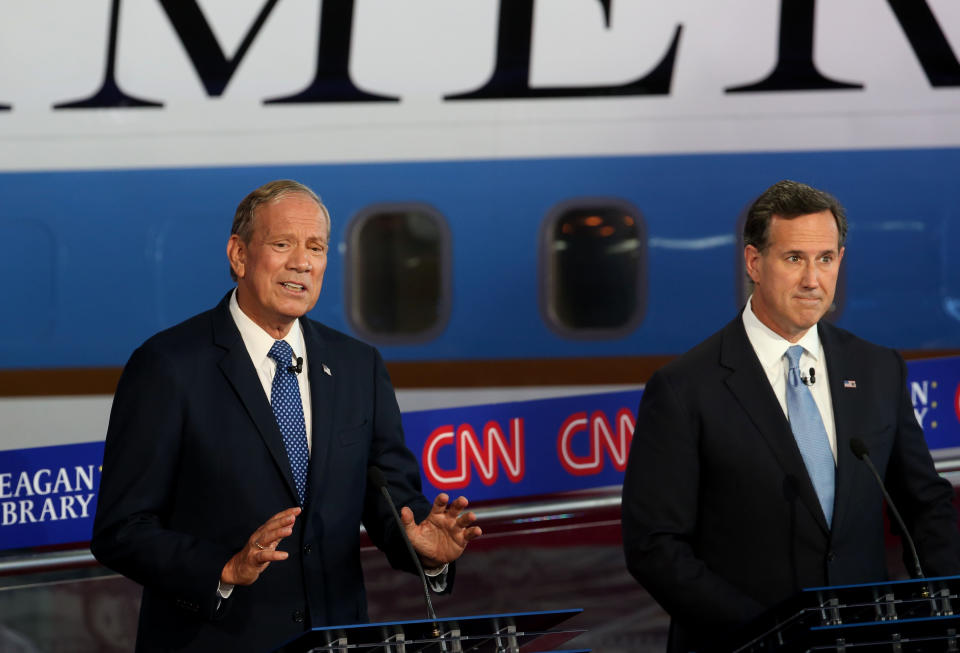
(376, 478)
(298, 367)
(859, 450)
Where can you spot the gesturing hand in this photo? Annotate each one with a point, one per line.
(444, 534)
(260, 550)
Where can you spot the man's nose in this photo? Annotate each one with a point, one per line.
(299, 259)
(811, 278)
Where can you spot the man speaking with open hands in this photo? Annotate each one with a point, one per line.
(235, 468)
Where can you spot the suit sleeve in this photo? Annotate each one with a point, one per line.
(924, 497)
(660, 512)
(389, 452)
(140, 461)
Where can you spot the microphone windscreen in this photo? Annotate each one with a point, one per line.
(858, 448)
(376, 477)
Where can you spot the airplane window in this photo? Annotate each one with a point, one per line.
(398, 258)
(593, 266)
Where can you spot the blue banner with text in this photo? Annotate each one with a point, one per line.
(489, 452)
(48, 494)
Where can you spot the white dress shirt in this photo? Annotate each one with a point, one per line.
(771, 349)
(258, 343)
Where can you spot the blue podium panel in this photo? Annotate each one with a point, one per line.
(526, 632)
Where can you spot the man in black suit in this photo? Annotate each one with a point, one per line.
(235, 469)
(741, 488)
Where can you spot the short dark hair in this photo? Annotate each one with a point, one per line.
(789, 199)
(243, 219)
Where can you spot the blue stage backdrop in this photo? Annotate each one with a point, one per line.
(496, 451)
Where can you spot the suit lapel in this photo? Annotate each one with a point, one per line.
(838, 368)
(322, 388)
(749, 385)
(240, 372)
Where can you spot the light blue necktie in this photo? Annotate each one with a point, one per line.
(288, 411)
(811, 436)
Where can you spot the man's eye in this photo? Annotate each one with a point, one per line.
(826, 259)
(793, 259)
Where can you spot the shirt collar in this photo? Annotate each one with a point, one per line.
(258, 341)
(770, 346)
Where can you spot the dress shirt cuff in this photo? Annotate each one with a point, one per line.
(225, 589)
(437, 578)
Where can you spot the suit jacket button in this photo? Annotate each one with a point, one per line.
(307, 549)
(297, 616)
(831, 556)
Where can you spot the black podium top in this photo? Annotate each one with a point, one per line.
(496, 633)
(920, 614)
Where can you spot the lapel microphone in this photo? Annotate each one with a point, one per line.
(296, 369)
(809, 380)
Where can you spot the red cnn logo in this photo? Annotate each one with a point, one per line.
(601, 436)
(956, 402)
(471, 453)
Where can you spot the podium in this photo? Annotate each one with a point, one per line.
(520, 632)
(896, 616)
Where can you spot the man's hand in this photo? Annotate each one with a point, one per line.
(260, 550)
(443, 535)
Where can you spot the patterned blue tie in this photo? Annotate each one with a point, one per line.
(288, 410)
(811, 436)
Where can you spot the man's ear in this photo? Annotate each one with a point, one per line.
(751, 258)
(237, 255)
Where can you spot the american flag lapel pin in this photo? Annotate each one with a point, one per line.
(326, 370)
(849, 383)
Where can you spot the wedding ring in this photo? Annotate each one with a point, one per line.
(260, 546)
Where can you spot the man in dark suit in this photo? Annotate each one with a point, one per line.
(741, 488)
(235, 469)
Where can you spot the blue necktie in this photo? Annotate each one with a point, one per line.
(288, 411)
(811, 436)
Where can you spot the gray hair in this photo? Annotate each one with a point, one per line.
(243, 219)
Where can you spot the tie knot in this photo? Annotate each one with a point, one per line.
(794, 354)
(281, 352)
